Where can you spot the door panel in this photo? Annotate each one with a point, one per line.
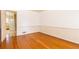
(11, 23)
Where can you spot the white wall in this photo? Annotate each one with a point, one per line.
(63, 33)
(62, 24)
(67, 19)
(27, 21)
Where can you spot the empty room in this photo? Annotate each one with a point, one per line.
(39, 29)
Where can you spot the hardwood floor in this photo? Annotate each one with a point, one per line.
(38, 41)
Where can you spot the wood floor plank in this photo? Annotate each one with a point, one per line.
(39, 41)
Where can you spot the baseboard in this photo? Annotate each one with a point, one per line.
(58, 38)
(52, 36)
(68, 34)
(27, 29)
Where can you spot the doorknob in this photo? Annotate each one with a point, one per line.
(7, 29)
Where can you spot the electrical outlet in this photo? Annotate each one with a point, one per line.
(23, 32)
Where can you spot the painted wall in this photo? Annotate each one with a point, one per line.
(62, 24)
(63, 33)
(67, 19)
(27, 22)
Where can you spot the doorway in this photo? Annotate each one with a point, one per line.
(8, 27)
(11, 23)
(10, 17)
